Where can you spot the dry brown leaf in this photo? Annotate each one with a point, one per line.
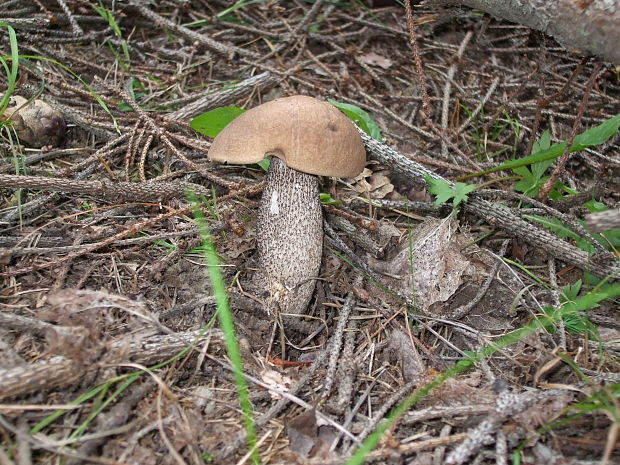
(276, 380)
(375, 185)
(303, 432)
(380, 185)
(400, 346)
(309, 437)
(432, 265)
(373, 59)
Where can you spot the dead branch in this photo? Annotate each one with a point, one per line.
(508, 405)
(41, 249)
(123, 191)
(124, 234)
(61, 371)
(590, 25)
(214, 45)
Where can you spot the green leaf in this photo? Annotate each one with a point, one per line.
(327, 199)
(532, 178)
(598, 134)
(595, 206)
(441, 189)
(570, 291)
(264, 164)
(548, 317)
(543, 143)
(359, 117)
(212, 122)
(523, 171)
(530, 186)
(530, 183)
(444, 191)
(460, 192)
(538, 169)
(575, 322)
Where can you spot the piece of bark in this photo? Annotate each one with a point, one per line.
(588, 25)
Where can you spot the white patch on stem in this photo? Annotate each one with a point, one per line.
(274, 209)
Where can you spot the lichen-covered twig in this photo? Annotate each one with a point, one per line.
(336, 341)
(61, 371)
(507, 405)
(123, 191)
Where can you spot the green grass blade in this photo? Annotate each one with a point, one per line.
(103, 405)
(12, 73)
(227, 325)
(48, 420)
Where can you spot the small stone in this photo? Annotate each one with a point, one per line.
(37, 124)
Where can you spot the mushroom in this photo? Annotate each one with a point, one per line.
(306, 138)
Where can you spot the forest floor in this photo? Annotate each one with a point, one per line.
(110, 347)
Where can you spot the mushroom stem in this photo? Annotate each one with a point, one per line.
(289, 237)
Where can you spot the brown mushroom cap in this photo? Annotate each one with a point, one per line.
(310, 135)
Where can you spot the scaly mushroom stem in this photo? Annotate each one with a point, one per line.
(289, 237)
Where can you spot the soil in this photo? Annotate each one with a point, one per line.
(110, 346)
